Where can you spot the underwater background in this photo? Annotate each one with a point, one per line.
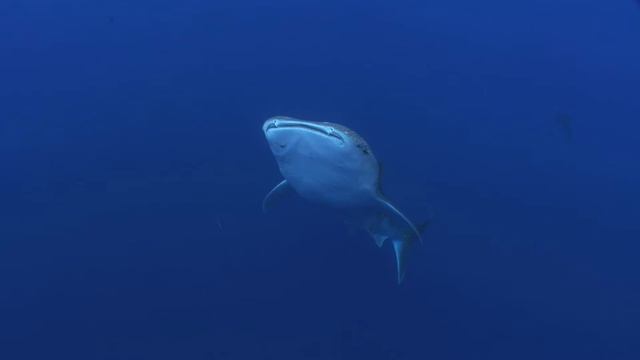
(133, 167)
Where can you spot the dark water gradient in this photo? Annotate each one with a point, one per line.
(133, 169)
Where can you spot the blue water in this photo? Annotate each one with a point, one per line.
(133, 168)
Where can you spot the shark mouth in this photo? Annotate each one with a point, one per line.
(289, 123)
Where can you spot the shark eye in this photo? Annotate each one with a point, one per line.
(331, 131)
(272, 125)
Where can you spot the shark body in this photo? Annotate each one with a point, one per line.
(329, 164)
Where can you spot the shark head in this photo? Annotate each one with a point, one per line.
(286, 134)
(322, 161)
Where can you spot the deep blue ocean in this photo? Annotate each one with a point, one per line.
(133, 168)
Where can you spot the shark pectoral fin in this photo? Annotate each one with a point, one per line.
(378, 238)
(397, 217)
(281, 190)
(401, 248)
(376, 228)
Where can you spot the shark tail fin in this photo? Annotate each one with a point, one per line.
(401, 249)
(382, 229)
(399, 220)
(390, 224)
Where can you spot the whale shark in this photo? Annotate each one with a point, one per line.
(330, 164)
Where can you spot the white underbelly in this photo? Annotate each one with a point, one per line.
(334, 187)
